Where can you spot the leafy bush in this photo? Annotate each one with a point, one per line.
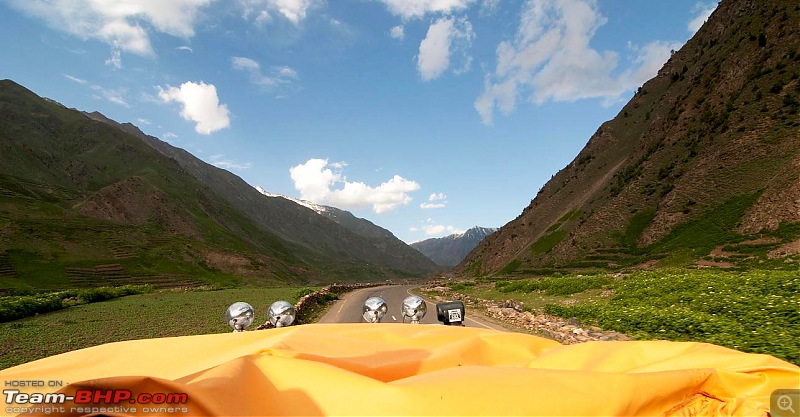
(17, 307)
(755, 311)
(555, 285)
(303, 292)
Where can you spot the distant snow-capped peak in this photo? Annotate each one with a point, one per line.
(316, 207)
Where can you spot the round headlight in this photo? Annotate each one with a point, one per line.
(281, 314)
(414, 308)
(374, 309)
(240, 315)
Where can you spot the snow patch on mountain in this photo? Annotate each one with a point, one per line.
(316, 207)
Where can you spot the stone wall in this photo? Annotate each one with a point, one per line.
(512, 312)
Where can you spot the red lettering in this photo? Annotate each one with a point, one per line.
(159, 398)
(144, 398)
(104, 396)
(121, 395)
(83, 396)
(177, 398)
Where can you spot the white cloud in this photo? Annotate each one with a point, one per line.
(143, 121)
(397, 32)
(170, 135)
(438, 230)
(219, 161)
(292, 10)
(185, 48)
(435, 197)
(279, 76)
(550, 59)
(445, 36)
(408, 9)
(702, 12)
(75, 79)
(315, 180)
(119, 23)
(200, 104)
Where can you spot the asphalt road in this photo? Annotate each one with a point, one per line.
(349, 308)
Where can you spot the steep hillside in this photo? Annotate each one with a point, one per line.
(344, 240)
(702, 165)
(86, 203)
(451, 250)
(381, 239)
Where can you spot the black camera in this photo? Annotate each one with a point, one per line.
(450, 313)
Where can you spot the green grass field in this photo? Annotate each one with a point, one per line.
(753, 311)
(162, 314)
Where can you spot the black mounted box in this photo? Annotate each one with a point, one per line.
(450, 313)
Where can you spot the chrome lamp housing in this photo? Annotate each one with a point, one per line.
(240, 315)
(374, 309)
(281, 314)
(414, 309)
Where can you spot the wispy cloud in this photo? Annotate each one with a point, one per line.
(294, 11)
(397, 32)
(75, 79)
(114, 95)
(409, 9)
(220, 161)
(551, 59)
(433, 198)
(278, 77)
(123, 24)
(701, 12)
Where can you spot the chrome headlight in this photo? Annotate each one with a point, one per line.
(374, 309)
(281, 314)
(240, 315)
(414, 308)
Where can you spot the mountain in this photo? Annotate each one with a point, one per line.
(700, 167)
(380, 238)
(451, 250)
(345, 240)
(85, 201)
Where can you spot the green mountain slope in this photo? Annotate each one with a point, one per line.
(333, 233)
(84, 203)
(702, 166)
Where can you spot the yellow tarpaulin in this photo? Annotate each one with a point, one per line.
(395, 369)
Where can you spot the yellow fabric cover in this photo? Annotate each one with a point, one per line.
(402, 369)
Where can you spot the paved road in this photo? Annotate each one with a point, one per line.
(349, 308)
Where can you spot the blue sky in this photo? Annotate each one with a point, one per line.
(426, 117)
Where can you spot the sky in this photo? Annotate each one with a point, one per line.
(426, 117)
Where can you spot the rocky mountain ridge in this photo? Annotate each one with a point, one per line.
(705, 155)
